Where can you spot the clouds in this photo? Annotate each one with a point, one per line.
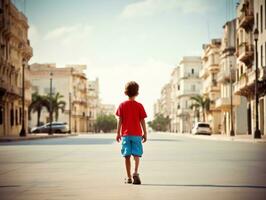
(152, 7)
(70, 35)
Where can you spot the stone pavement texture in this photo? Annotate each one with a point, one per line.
(173, 167)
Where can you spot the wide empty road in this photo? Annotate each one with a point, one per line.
(91, 167)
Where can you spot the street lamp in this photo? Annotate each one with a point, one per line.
(51, 103)
(257, 133)
(232, 132)
(23, 131)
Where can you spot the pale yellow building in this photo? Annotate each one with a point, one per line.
(71, 82)
(15, 52)
(226, 79)
(163, 105)
(93, 102)
(174, 124)
(211, 87)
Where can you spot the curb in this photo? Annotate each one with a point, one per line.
(16, 139)
(219, 138)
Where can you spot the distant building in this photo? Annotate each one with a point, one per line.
(15, 52)
(188, 85)
(93, 102)
(71, 82)
(174, 124)
(106, 109)
(211, 87)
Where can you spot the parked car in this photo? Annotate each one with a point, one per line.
(57, 127)
(203, 128)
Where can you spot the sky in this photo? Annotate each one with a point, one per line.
(124, 40)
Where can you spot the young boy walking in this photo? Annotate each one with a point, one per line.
(131, 127)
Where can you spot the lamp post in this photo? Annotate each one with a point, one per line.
(257, 133)
(23, 131)
(51, 103)
(232, 132)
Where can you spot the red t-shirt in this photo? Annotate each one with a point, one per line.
(131, 112)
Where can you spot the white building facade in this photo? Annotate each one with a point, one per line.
(188, 85)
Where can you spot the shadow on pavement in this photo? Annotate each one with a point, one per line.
(62, 141)
(208, 185)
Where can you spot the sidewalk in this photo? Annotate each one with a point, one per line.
(33, 137)
(237, 138)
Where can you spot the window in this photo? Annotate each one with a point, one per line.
(265, 56)
(192, 71)
(261, 55)
(1, 115)
(193, 87)
(257, 20)
(16, 116)
(178, 87)
(261, 19)
(20, 115)
(12, 117)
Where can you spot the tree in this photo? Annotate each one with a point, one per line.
(160, 123)
(57, 104)
(203, 103)
(105, 123)
(37, 104)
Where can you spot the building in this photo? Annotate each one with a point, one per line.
(188, 85)
(211, 88)
(260, 13)
(106, 109)
(71, 82)
(163, 104)
(93, 102)
(226, 79)
(15, 52)
(251, 15)
(174, 102)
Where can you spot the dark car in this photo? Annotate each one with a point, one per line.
(57, 127)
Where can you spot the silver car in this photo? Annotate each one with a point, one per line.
(202, 128)
(57, 127)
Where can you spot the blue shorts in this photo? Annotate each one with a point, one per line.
(132, 145)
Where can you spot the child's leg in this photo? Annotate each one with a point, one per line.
(136, 158)
(128, 166)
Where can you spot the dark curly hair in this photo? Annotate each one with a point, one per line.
(132, 89)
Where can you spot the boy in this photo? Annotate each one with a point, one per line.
(131, 119)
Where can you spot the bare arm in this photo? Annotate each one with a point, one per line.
(143, 125)
(118, 135)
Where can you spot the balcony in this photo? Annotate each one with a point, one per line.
(203, 73)
(246, 19)
(245, 53)
(224, 103)
(212, 64)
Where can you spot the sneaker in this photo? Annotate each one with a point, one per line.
(128, 180)
(136, 179)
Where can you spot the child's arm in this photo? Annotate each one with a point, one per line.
(118, 135)
(143, 125)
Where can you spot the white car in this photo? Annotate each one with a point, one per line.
(202, 128)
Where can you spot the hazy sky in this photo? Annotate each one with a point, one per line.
(122, 40)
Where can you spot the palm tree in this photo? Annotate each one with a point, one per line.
(203, 103)
(57, 104)
(38, 102)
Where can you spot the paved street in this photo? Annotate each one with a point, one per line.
(173, 167)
